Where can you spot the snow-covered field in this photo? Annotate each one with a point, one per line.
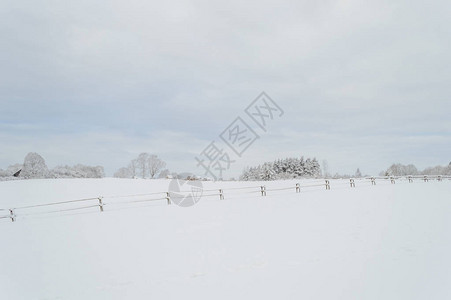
(389, 241)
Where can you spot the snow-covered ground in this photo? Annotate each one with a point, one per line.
(389, 241)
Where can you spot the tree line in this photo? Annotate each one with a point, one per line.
(405, 170)
(398, 169)
(287, 168)
(34, 167)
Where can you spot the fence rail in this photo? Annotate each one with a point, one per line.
(166, 197)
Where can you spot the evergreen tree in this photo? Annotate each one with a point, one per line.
(316, 168)
(267, 172)
(287, 168)
(308, 167)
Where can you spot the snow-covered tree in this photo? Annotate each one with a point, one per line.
(3, 173)
(410, 170)
(164, 173)
(142, 162)
(77, 171)
(278, 166)
(10, 172)
(123, 173)
(437, 170)
(154, 165)
(144, 165)
(401, 170)
(34, 166)
(250, 174)
(133, 168)
(308, 167)
(289, 165)
(299, 168)
(316, 168)
(83, 171)
(245, 175)
(62, 172)
(283, 169)
(266, 172)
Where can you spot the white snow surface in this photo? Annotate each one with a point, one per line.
(389, 241)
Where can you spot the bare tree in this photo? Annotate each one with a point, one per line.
(154, 165)
(144, 165)
(133, 166)
(142, 162)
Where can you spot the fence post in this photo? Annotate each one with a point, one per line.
(327, 184)
(351, 181)
(263, 190)
(392, 180)
(12, 215)
(373, 181)
(168, 198)
(298, 188)
(100, 204)
(221, 194)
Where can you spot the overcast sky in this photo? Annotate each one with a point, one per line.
(362, 83)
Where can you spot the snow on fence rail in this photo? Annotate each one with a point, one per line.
(124, 201)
